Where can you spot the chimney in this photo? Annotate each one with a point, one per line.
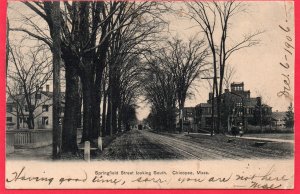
(258, 101)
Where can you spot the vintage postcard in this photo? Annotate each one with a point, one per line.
(150, 95)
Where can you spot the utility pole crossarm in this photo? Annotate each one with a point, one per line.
(209, 78)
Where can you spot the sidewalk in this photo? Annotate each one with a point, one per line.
(41, 153)
(251, 138)
(264, 139)
(45, 152)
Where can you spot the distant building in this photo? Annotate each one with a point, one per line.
(43, 113)
(189, 123)
(17, 118)
(237, 108)
(278, 119)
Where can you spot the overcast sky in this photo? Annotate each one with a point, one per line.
(258, 67)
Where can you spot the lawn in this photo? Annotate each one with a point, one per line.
(286, 136)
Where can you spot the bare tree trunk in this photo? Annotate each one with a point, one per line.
(109, 121)
(219, 114)
(181, 106)
(114, 101)
(228, 123)
(87, 110)
(114, 117)
(181, 118)
(95, 113)
(7, 43)
(56, 50)
(100, 66)
(69, 132)
(95, 132)
(212, 112)
(96, 129)
(79, 106)
(109, 115)
(104, 111)
(119, 119)
(30, 120)
(18, 119)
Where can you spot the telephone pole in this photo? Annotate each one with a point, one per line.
(213, 105)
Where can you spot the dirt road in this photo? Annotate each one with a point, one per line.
(144, 145)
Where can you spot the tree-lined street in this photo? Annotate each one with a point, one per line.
(142, 144)
(121, 59)
(148, 145)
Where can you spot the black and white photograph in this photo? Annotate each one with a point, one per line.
(147, 94)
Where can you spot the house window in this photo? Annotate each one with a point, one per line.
(8, 119)
(238, 104)
(247, 110)
(208, 110)
(45, 108)
(38, 96)
(240, 113)
(62, 109)
(47, 88)
(45, 120)
(9, 108)
(23, 120)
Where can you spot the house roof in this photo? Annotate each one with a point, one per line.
(189, 108)
(50, 94)
(11, 100)
(237, 83)
(278, 115)
(267, 106)
(204, 105)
